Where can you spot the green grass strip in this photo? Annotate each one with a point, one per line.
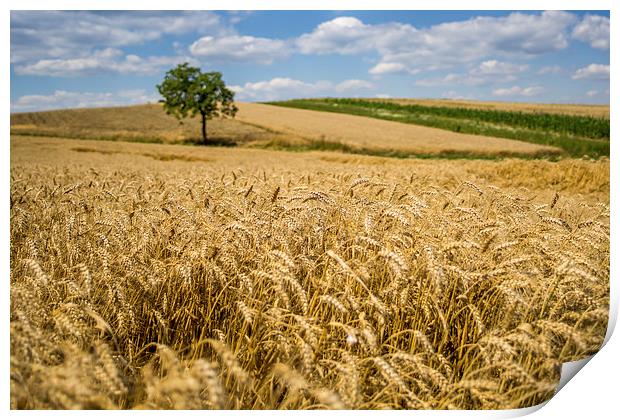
(516, 126)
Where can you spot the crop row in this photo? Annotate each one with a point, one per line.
(576, 135)
(591, 127)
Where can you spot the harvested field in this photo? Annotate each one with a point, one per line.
(264, 126)
(139, 123)
(371, 133)
(162, 276)
(601, 111)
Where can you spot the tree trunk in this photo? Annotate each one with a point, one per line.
(204, 127)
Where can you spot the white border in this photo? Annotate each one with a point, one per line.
(315, 5)
(592, 393)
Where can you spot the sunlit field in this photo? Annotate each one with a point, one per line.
(307, 209)
(167, 276)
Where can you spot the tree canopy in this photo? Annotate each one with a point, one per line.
(187, 91)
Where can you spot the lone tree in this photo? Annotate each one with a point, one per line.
(189, 91)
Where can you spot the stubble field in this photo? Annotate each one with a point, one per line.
(601, 111)
(271, 127)
(158, 276)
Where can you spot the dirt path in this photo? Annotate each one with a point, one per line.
(374, 133)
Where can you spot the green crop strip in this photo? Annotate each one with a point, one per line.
(577, 135)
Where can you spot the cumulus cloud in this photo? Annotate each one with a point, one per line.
(404, 48)
(388, 68)
(498, 68)
(519, 91)
(65, 99)
(593, 29)
(237, 48)
(449, 44)
(278, 88)
(286, 88)
(102, 61)
(349, 35)
(37, 35)
(487, 72)
(592, 72)
(353, 85)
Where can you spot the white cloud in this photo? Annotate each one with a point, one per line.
(38, 35)
(487, 72)
(102, 61)
(498, 68)
(451, 94)
(519, 91)
(550, 70)
(353, 85)
(594, 30)
(598, 96)
(237, 48)
(64, 99)
(345, 35)
(592, 72)
(278, 88)
(236, 16)
(404, 48)
(387, 68)
(287, 88)
(448, 79)
(447, 44)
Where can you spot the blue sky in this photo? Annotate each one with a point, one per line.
(79, 59)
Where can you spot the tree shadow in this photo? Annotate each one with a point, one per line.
(211, 141)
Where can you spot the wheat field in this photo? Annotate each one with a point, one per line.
(259, 125)
(372, 133)
(138, 123)
(152, 276)
(601, 111)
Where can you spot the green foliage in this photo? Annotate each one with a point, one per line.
(188, 91)
(591, 127)
(577, 135)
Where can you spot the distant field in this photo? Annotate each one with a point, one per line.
(601, 111)
(140, 123)
(575, 134)
(265, 126)
(359, 133)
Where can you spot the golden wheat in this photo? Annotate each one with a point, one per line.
(300, 281)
